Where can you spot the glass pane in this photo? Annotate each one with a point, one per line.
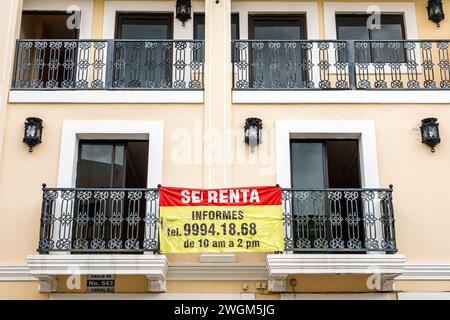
(353, 33)
(119, 170)
(94, 166)
(307, 165)
(388, 32)
(136, 164)
(199, 27)
(234, 26)
(343, 164)
(276, 30)
(272, 65)
(147, 27)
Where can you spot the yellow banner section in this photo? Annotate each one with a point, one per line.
(197, 229)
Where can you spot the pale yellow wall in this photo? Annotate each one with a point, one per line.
(21, 290)
(420, 178)
(24, 172)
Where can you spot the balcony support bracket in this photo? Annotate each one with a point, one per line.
(277, 283)
(47, 284)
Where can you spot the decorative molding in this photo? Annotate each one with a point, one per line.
(238, 271)
(407, 8)
(218, 257)
(309, 8)
(344, 96)
(47, 267)
(336, 296)
(423, 296)
(363, 130)
(426, 271)
(280, 266)
(106, 96)
(153, 296)
(217, 271)
(73, 130)
(179, 31)
(15, 272)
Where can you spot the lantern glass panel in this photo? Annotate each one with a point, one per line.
(32, 131)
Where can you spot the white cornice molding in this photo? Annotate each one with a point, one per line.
(15, 272)
(47, 267)
(425, 271)
(280, 266)
(217, 271)
(341, 96)
(106, 96)
(238, 271)
(284, 264)
(146, 264)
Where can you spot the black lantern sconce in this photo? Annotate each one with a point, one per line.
(183, 10)
(33, 132)
(435, 10)
(430, 133)
(253, 132)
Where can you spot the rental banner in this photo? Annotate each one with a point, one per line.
(221, 220)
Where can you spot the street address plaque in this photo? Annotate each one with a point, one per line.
(100, 283)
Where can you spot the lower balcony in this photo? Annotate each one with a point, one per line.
(110, 221)
(115, 231)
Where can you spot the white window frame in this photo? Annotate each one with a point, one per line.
(86, 7)
(180, 32)
(308, 8)
(408, 9)
(74, 130)
(363, 130)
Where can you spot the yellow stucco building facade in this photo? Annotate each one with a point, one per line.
(341, 106)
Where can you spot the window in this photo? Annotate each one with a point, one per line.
(112, 164)
(354, 27)
(277, 27)
(199, 26)
(144, 26)
(278, 68)
(48, 25)
(143, 66)
(319, 165)
(102, 221)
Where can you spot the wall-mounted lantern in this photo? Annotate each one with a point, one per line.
(183, 11)
(33, 132)
(435, 10)
(430, 133)
(253, 132)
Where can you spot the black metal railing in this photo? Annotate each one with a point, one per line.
(108, 64)
(126, 220)
(339, 220)
(99, 220)
(340, 65)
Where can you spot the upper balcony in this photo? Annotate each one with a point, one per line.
(341, 65)
(108, 65)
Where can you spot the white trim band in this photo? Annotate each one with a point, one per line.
(347, 96)
(106, 96)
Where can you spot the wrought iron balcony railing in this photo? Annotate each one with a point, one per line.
(339, 220)
(99, 220)
(108, 64)
(126, 220)
(340, 65)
